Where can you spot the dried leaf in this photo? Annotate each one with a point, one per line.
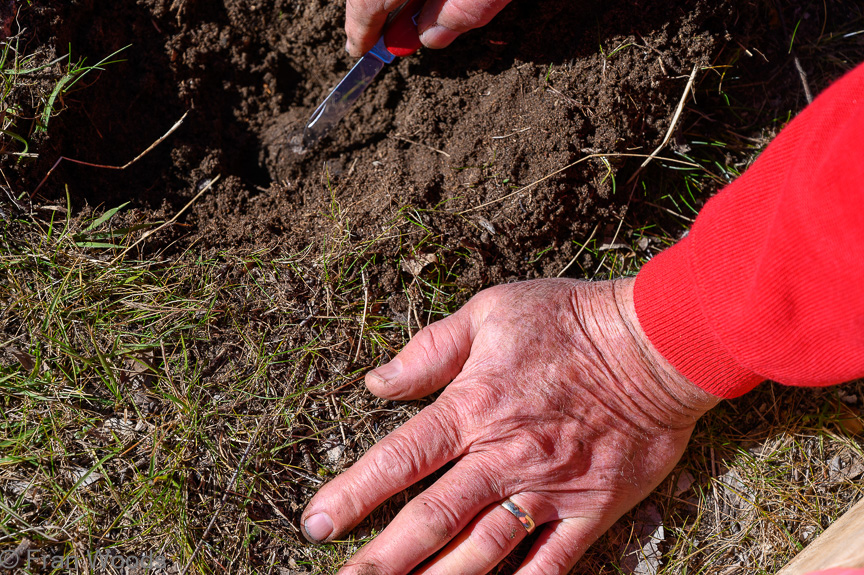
(685, 481)
(27, 361)
(487, 225)
(416, 265)
(84, 475)
(848, 418)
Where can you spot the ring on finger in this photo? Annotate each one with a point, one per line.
(523, 516)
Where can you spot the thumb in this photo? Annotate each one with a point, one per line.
(442, 21)
(433, 357)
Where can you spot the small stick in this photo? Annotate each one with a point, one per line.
(513, 133)
(674, 213)
(401, 139)
(672, 125)
(416, 317)
(567, 167)
(149, 233)
(341, 425)
(803, 75)
(581, 249)
(105, 167)
(363, 320)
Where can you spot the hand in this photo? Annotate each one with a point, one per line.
(440, 22)
(557, 402)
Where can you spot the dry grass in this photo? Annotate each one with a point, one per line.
(133, 388)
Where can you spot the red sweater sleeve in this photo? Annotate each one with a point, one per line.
(769, 283)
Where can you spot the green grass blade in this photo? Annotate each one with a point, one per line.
(104, 217)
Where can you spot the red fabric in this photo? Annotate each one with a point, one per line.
(769, 283)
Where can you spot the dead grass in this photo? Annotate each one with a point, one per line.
(132, 388)
(144, 395)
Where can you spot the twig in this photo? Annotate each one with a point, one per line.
(567, 167)
(12, 199)
(674, 213)
(581, 249)
(304, 475)
(401, 139)
(416, 318)
(341, 425)
(363, 320)
(803, 75)
(672, 124)
(615, 237)
(106, 167)
(228, 489)
(511, 134)
(149, 233)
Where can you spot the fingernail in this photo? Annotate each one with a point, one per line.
(348, 46)
(389, 371)
(318, 527)
(438, 36)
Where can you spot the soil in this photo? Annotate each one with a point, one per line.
(459, 153)
(440, 132)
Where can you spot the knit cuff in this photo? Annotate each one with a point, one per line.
(669, 311)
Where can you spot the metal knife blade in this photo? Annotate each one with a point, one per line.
(343, 96)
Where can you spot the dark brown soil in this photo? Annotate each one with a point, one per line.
(441, 132)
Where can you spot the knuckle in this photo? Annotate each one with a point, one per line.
(436, 341)
(440, 422)
(437, 517)
(364, 567)
(463, 14)
(466, 14)
(549, 564)
(485, 296)
(492, 543)
(399, 458)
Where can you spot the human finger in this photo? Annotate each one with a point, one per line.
(442, 21)
(557, 549)
(431, 360)
(421, 446)
(428, 522)
(488, 539)
(364, 21)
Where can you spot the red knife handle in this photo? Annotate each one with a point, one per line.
(401, 37)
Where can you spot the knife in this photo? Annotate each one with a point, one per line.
(400, 38)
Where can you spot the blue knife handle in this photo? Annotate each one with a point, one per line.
(380, 51)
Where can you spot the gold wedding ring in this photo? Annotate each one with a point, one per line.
(526, 520)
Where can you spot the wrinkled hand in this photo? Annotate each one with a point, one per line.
(557, 401)
(440, 22)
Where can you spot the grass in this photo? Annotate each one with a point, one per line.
(112, 411)
(144, 395)
(132, 389)
(762, 478)
(32, 87)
